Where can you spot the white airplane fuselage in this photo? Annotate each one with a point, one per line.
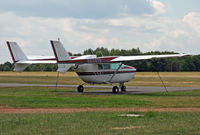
(105, 73)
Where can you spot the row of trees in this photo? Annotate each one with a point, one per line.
(170, 64)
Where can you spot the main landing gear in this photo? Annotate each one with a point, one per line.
(115, 89)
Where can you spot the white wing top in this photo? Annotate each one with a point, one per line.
(146, 57)
(57, 45)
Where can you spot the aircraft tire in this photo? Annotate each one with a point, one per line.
(80, 88)
(115, 89)
(123, 88)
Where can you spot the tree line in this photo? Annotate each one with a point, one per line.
(191, 63)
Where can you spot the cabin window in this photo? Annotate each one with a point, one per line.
(113, 66)
(103, 66)
(106, 66)
(100, 66)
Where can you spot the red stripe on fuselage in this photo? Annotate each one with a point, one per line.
(128, 67)
(73, 57)
(104, 72)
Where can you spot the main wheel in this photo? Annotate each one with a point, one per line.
(115, 89)
(123, 88)
(80, 88)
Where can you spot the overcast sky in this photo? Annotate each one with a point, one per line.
(163, 25)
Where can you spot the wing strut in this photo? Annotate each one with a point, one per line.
(115, 72)
(162, 82)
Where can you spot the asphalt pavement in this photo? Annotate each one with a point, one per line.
(102, 89)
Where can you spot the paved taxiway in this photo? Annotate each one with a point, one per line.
(101, 89)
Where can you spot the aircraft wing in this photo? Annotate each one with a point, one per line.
(62, 57)
(146, 57)
(113, 59)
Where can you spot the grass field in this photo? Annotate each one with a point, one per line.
(99, 122)
(41, 97)
(183, 79)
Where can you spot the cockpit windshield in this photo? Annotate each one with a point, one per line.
(115, 66)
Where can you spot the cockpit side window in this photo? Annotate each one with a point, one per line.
(103, 66)
(113, 66)
(100, 66)
(106, 66)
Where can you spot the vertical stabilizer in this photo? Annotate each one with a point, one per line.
(16, 52)
(61, 55)
(17, 55)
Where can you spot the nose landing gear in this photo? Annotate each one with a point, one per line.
(123, 87)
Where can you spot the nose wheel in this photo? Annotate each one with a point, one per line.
(80, 88)
(122, 87)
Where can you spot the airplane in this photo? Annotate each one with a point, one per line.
(90, 68)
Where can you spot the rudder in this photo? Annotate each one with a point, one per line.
(16, 52)
(61, 55)
(17, 55)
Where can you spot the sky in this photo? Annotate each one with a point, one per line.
(150, 25)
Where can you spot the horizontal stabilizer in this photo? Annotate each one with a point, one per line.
(21, 61)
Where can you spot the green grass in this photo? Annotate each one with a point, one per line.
(35, 97)
(183, 79)
(40, 80)
(44, 97)
(100, 123)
